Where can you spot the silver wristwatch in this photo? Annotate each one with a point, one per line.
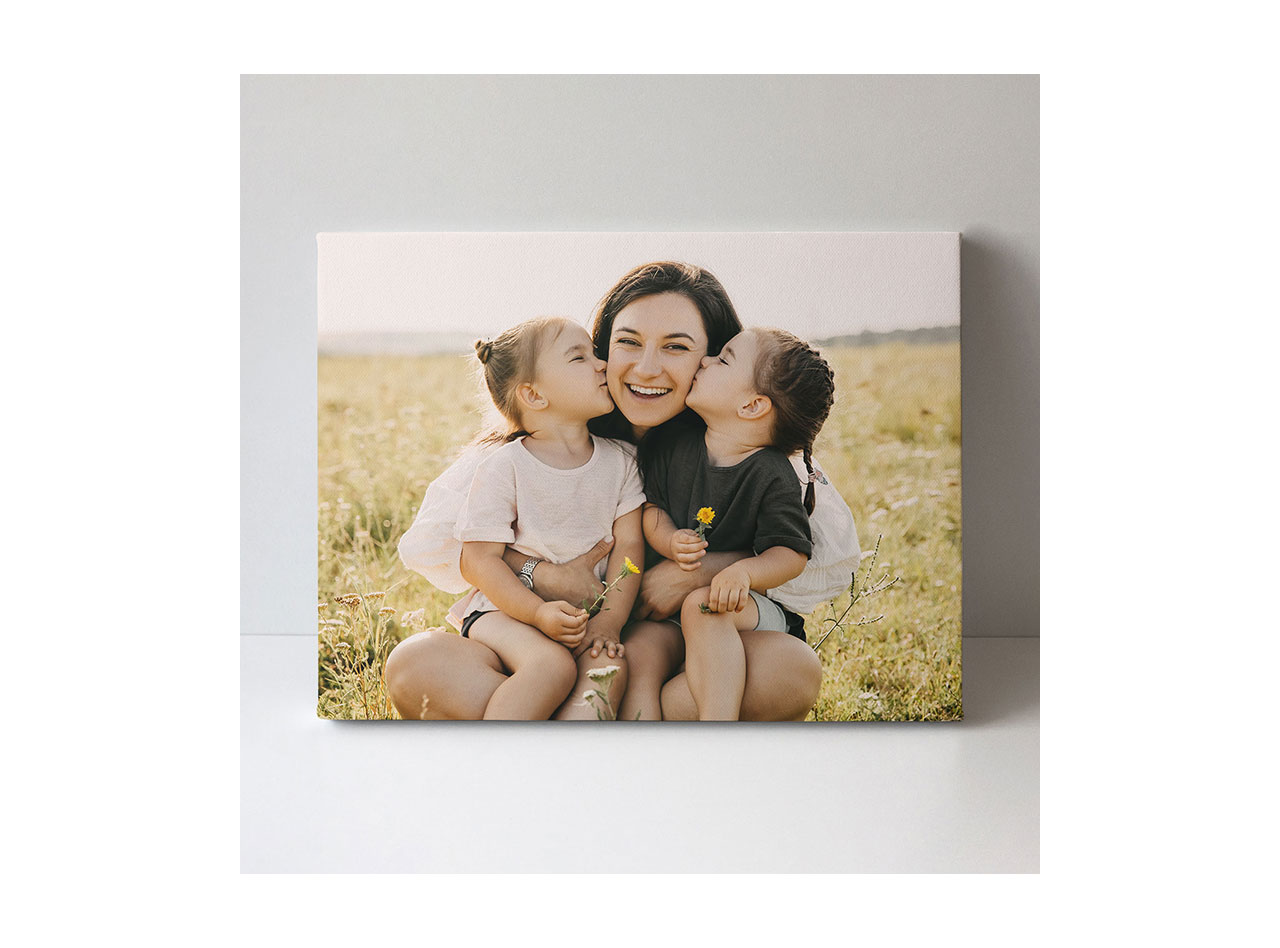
(526, 572)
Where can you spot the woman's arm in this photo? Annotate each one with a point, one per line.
(430, 546)
(665, 585)
(572, 581)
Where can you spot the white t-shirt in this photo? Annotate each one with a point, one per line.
(544, 511)
(431, 547)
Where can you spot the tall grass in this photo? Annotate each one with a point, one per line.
(389, 425)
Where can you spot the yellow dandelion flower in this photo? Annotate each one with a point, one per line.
(631, 567)
(704, 518)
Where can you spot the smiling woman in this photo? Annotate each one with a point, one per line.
(655, 348)
(653, 328)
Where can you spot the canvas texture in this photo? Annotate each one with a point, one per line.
(405, 478)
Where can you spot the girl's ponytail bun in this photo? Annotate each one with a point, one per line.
(484, 349)
(803, 388)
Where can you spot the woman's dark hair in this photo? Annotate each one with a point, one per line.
(699, 286)
(719, 318)
(802, 388)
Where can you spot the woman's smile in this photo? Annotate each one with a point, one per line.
(646, 391)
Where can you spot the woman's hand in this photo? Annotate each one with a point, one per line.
(687, 549)
(662, 590)
(664, 586)
(562, 622)
(574, 580)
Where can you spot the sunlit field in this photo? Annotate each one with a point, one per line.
(389, 425)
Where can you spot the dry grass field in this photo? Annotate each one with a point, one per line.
(389, 425)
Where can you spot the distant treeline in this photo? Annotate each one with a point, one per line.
(432, 343)
(915, 337)
(395, 343)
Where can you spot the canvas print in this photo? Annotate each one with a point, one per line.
(639, 477)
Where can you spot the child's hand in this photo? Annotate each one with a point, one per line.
(597, 642)
(561, 622)
(730, 589)
(687, 549)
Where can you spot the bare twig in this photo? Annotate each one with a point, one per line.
(857, 592)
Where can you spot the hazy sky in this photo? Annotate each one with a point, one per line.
(814, 284)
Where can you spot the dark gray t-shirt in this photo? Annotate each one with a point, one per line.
(757, 501)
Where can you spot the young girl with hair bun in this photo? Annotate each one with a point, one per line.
(551, 491)
(731, 486)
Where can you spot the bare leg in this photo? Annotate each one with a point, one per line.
(784, 676)
(542, 671)
(655, 650)
(438, 675)
(577, 708)
(715, 660)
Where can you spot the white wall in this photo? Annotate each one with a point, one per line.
(642, 153)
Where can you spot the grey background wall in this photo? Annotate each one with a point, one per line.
(642, 153)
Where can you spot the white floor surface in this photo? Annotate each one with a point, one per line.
(326, 796)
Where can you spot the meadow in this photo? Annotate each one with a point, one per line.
(389, 425)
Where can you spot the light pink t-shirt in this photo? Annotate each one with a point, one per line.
(545, 512)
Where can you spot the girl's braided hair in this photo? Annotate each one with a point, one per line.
(802, 388)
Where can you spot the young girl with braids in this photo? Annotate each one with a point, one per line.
(551, 491)
(763, 398)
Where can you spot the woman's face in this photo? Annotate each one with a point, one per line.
(655, 348)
